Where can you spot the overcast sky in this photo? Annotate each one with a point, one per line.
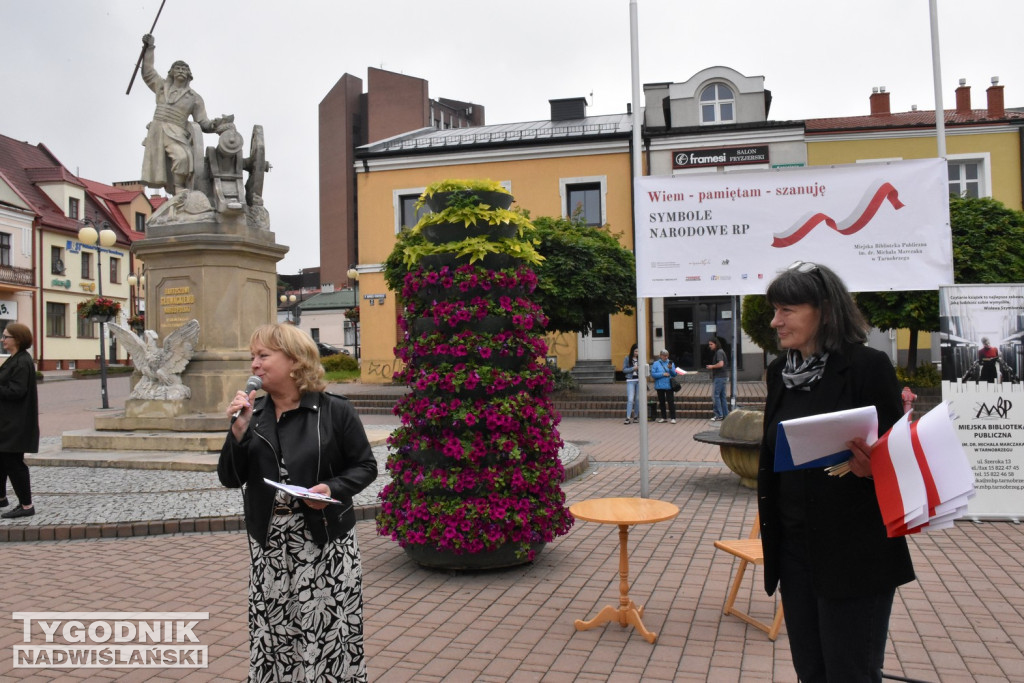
(65, 66)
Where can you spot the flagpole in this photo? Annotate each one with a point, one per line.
(940, 112)
(641, 307)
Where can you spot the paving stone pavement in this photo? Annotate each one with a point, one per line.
(963, 620)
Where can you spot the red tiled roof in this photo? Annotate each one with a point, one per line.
(909, 119)
(25, 166)
(111, 197)
(22, 164)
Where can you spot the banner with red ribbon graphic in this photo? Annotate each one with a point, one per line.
(880, 226)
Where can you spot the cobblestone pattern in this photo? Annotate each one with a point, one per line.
(113, 502)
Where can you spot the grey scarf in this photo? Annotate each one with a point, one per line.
(801, 373)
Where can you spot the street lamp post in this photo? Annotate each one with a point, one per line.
(289, 299)
(353, 275)
(105, 238)
(137, 283)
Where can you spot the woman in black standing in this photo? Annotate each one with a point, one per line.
(305, 587)
(19, 417)
(825, 545)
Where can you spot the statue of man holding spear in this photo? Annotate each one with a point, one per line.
(169, 161)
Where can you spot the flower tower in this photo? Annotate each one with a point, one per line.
(475, 473)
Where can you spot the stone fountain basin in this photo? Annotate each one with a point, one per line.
(739, 442)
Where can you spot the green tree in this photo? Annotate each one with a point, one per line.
(988, 247)
(585, 275)
(756, 321)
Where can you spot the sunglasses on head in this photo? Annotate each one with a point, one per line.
(803, 266)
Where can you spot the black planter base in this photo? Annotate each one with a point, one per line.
(499, 558)
(440, 233)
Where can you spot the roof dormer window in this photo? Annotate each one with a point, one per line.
(717, 104)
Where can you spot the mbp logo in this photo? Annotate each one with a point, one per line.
(110, 640)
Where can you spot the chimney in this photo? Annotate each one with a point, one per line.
(879, 101)
(963, 98)
(568, 109)
(996, 108)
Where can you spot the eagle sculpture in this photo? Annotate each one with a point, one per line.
(161, 367)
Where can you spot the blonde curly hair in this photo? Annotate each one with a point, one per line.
(298, 346)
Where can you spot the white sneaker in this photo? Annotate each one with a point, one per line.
(660, 420)
(672, 421)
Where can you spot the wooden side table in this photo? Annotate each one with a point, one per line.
(623, 512)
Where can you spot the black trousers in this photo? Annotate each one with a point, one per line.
(12, 465)
(833, 640)
(667, 395)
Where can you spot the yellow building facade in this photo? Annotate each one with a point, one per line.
(541, 177)
(984, 153)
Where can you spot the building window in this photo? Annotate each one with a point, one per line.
(86, 265)
(409, 215)
(56, 261)
(403, 202)
(56, 320)
(73, 208)
(584, 202)
(584, 199)
(717, 104)
(140, 222)
(86, 328)
(115, 270)
(965, 179)
(5, 248)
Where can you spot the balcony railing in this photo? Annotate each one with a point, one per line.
(16, 276)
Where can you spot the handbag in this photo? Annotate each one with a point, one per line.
(675, 384)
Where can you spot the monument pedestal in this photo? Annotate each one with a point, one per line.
(223, 273)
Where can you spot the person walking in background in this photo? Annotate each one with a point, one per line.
(631, 369)
(719, 378)
(662, 371)
(19, 418)
(825, 544)
(305, 587)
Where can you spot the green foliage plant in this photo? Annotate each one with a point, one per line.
(339, 362)
(925, 376)
(475, 248)
(586, 274)
(756, 321)
(473, 214)
(454, 185)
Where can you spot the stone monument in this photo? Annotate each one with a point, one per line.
(209, 252)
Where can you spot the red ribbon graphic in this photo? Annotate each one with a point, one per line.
(884, 192)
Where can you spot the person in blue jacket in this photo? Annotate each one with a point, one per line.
(662, 371)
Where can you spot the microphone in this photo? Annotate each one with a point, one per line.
(254, 383)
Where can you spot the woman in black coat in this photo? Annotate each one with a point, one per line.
(19, 418)
(825, 545)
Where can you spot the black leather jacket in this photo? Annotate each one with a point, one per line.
(321, 441)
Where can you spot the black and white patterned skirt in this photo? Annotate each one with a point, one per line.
(305, 607)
